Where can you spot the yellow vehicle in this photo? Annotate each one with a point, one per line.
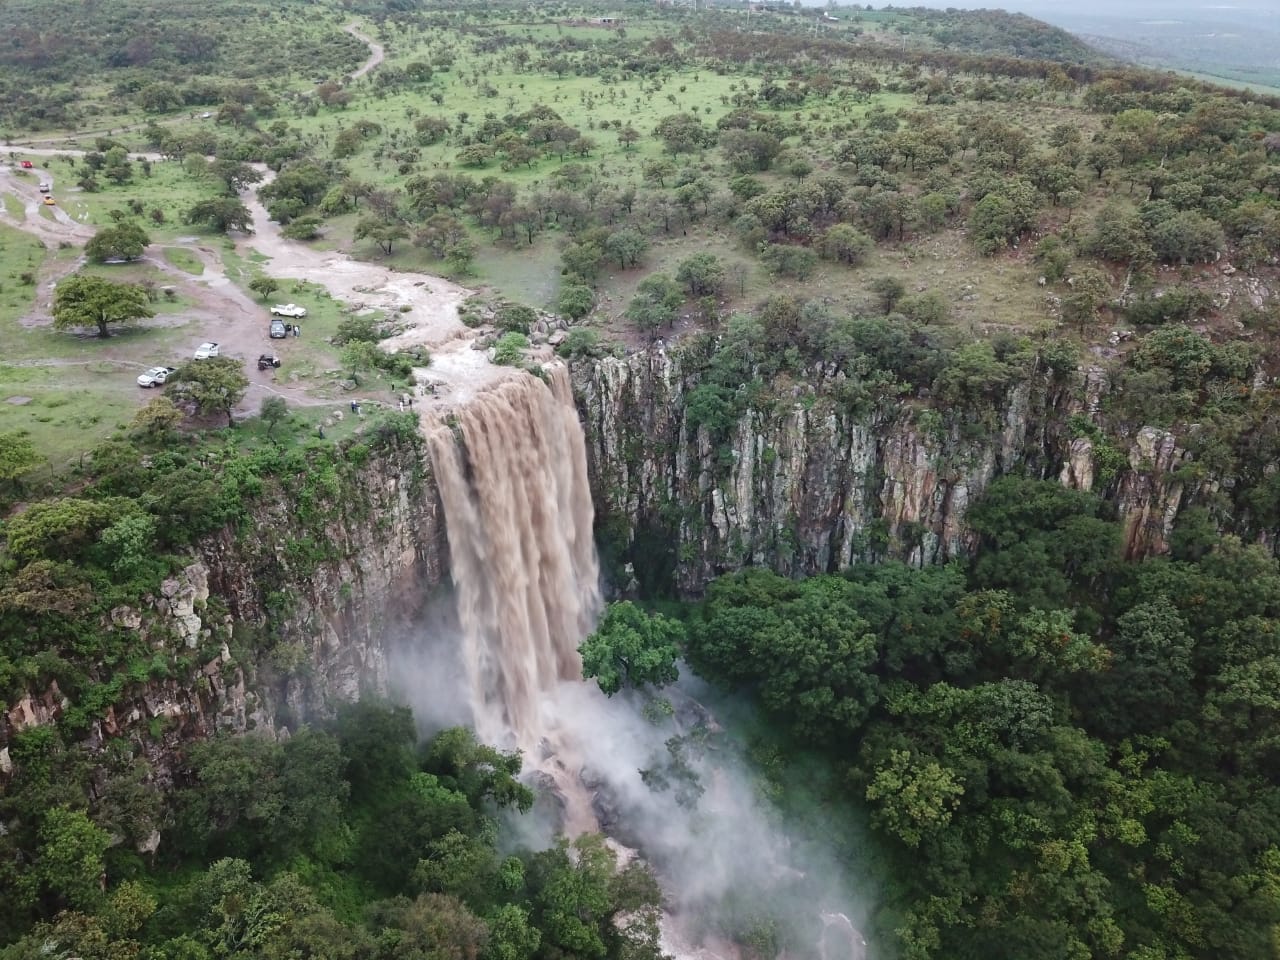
(49, 201)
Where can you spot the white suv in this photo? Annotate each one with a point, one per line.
(206, 350)
(155, 377)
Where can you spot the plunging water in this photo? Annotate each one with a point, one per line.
(512, 472)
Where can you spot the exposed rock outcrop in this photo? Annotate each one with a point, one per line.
(333, 593)
(805, 485)
(274, 621)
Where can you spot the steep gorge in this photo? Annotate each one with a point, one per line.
(306, 618)
(274, 620)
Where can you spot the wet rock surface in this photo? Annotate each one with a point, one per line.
(804, 486)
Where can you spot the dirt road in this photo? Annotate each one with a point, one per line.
(427, 304)
(376, 52)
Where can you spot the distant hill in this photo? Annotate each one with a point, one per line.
(1238, 41)
(998, 32)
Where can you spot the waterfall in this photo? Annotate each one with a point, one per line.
(511, 466)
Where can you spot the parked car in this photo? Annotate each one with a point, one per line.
(291, 310)
(206, 350)
(156, 377)
(50, 202)
(44, 188)
(268, 361)
(27, 164)
(278, 330)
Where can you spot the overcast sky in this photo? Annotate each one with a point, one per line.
(1243, 11)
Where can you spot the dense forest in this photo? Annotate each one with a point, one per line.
(345, 842)
(1067, 755)
(1060, 753)
(1047, 749)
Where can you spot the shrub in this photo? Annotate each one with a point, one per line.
(509, 350)
(784, 260)
(515, 318)
(358, 329)
(846, 244)
(581, 342)
(1178, 305)
(1186, 355)
(928, 307)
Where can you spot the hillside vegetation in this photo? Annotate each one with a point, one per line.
(1056, 752)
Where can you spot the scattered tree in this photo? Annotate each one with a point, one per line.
(213, 386)
(703, 272)
(273, 410)
(381, 232)
(359, 356)
(85, 301)
(221, 214)
(264, 286)
(575, 301)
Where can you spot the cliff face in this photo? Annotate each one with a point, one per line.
(297, 608)
(805, 486)
(277, 620)
(327, 602)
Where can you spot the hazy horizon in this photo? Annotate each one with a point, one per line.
(1238, 40)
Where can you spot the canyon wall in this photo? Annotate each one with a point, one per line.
(804, 485)
(296, 608)
(281, 617)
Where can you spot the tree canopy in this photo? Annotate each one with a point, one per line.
(125, 241)
(82, 300)
(214, 385)
(631, 648)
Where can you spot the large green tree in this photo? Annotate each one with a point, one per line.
(86, 301)
(632, 648)
(382, 232)
(221, 214)
(214, 386)
(125, 241)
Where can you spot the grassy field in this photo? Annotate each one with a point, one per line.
(69, 390)
(168, 189)
(184, 260)
(317, 364)
(20, 259)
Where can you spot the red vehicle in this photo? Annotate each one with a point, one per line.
(27, 164)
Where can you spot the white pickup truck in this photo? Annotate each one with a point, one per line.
(290, 310)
